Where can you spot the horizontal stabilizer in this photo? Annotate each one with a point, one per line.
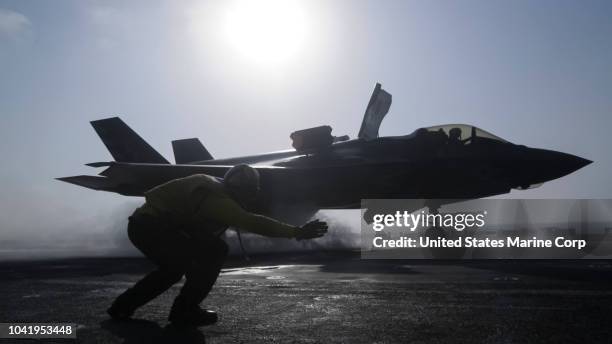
(189, 150)
(99, 164)
(91, 182)
(124, 144)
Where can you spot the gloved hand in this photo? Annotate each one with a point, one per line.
(311, 230)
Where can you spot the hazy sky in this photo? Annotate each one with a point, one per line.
(243, 77)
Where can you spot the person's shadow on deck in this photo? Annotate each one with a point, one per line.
(135, 331)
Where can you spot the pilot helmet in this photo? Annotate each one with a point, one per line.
(455, 133)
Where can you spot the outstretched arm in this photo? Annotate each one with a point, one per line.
(227, 211)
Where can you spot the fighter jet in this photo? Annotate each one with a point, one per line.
(322, 171)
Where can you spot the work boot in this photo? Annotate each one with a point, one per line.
(121, 309)
(118, 313)
(193, 316)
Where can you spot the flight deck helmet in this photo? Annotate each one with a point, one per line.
(242, 180)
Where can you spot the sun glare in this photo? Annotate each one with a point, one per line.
(265, 32)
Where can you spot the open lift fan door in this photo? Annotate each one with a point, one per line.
(378, 107)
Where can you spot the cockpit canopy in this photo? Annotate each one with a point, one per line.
(462, 132)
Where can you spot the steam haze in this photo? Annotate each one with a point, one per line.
(534, 73)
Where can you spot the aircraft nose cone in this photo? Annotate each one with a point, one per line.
(568, 163)
(575, 162)
(553, 165)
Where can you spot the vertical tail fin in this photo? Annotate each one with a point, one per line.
(189, 150)
(124, 144)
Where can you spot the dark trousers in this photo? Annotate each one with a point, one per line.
(175, 254)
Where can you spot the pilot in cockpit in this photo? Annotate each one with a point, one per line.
(454, 137)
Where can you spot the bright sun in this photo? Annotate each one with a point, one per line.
(266, 32)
